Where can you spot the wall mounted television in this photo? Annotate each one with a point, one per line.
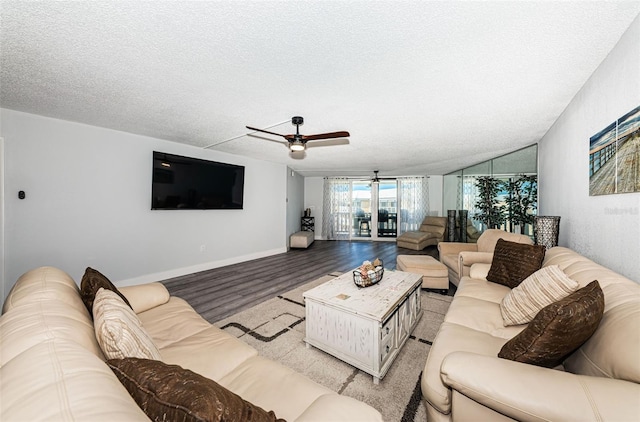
(184, 183)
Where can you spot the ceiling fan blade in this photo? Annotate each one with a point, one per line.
(328, 142)
(266, 131)
(329, 135)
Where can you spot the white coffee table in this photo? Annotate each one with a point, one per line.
(365, 327)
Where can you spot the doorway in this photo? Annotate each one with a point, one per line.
(374, 209)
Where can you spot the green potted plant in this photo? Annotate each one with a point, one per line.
(521, 202)
(488, 211)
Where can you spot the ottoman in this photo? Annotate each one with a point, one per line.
(301, 239)
(434, 273)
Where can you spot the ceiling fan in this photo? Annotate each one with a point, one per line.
(377, 179)
(298, 142)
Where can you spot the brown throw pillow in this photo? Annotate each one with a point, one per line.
(558, 329)
(171, 393)
(91, 282)
(513, 262)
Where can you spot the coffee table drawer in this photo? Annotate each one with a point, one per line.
(388, 329)
(387, 348)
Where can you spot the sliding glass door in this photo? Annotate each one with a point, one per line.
(387, 223)
(361, 194)
(374, 209)
(378, 210)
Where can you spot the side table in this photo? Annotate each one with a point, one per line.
(308, 223)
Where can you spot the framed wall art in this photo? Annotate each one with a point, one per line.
(614, 157)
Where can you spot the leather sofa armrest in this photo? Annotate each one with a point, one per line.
(145, 296)
(448, 248)
(467, 258)
(531, 393)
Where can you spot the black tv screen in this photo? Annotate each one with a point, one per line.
(184, 183)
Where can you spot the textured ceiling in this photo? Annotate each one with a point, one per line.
(423, 87)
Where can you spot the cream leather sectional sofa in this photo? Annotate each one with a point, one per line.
(464, 380)
(52, 368)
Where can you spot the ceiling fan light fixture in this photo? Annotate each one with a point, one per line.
(297, 145)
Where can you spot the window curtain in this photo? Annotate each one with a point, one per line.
(336, 209)
(413, 202)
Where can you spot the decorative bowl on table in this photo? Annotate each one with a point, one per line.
(369, 273)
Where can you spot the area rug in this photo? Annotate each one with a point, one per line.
(276, 329)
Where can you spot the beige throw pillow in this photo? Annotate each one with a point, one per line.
(118, 329)
(542, 288)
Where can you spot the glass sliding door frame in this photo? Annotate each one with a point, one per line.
(366, 204)
(361, 211)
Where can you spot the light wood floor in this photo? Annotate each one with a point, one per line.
(221, 292)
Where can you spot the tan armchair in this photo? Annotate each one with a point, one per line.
(458, 257)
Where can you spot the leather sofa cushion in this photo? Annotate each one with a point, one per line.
(169, 392)
(170, 323)
(333, 407)
(558, 329)
(481, 289)
(92, 281)
(119, 331)
(255, 379)
(480, 315)
(212, 353)
(614, 348)
(186, 339)
(26, 326)
(479, 271)
(513, 262)
(58, 380)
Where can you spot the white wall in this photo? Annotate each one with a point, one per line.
(436, 185)
(313, 194)
(2, 273)
(604, 228)
(313, 198)
(295, 202)
(88, 200)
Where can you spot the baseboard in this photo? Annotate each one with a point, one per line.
(164, 275)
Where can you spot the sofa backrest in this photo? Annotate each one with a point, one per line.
(614, 349)
(488, 239)
(434, 225)
(51, 366)
(44, 284)
(44, 304)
